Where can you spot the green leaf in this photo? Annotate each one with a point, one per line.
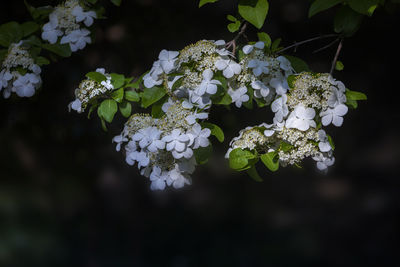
(262, 36)
(321, 5)
(291, 80)
(271, 160)
(202, 154)
(3, 53)
(285, 147)
(116, 2)
(136, 83)
(330, 140)
(275, 45)
(352, 104)
(29, 27)
(365, 7)
(118, 95)
(240, 159)
(40, 12)
(125, 108)
(298, 64)
(132, 96)
(254, 11)
(354, 95)
(224, 99)
(231, 18)
(156, 108)
(347, 21)
(234, 27)
(117, 80)
(10, 32)
(42, 61)
(252, 172)
(203, 2)
(215, 130)
(107, 109)
(96, 76)
(62, 50)
(152, 95)
(339, 65)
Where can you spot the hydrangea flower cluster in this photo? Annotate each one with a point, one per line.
(313, 101)
(66, 21)
(89, 90)
(163, 148)
(19, 73)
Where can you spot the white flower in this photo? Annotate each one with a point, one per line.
(301, 118)
(334, 116)
(337, 97)
(280, 108)
(200, 136)
(239, 96)
(187, 165)
(176, 179)
(77, 39)
(119, 139)
(25, 85)
(157, 178)
(203, 101)
(323, 144)
(5, 77)
(191, 119)
(168, 60)
(140, 157)
(248, 48)
(260, 89)
(284, 63)
(208, 85)
(324, 162)
(281, 86)
(258, 66)
(77, 106)
(177, 142)
(149, 81)
(51, 32)
(149, 138)
(228, 67)
(86, 17)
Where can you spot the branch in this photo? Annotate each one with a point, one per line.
(233, 42)
(326, 46)
(339, 48)
(295, 45)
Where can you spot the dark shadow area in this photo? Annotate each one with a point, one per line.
(67, 198)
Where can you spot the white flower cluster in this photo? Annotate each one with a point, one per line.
(66, 22)
(90, 89)
(163, 148)
(19, 73)
(313, 100)
(196, 72)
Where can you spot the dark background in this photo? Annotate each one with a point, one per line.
(67, 198)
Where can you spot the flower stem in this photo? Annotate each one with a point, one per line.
(339, 48)
(232, 43)
(297, 44)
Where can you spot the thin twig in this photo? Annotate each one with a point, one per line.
(297, 44)
(233, 42)
(339, 48)
(326, 46)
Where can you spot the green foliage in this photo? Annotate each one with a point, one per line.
(240, 159)
(290, 80)
(264, 37)
(215, 130)
(116, 2)
(298, 64)
(10, 32)
(339, 65)
(235, 25)
(330, 140)
(252, 172)
(96, 76)
(352, 98)
(320, 5)
(117, 80)
(365, 7)
(62, 50)
(151, 95)
(347, 21)
(202, 154)
(107, 110)
(203, 2)
(254, 11)
(132, 96)
(156, 108)
(271, 160)
(125, 108)
(42, 61)
(40, 12)
(118, 95)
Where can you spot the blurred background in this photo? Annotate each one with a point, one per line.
(67, 198)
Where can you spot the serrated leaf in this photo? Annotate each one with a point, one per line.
(271, 161)
(254, 11)
(118, 95)
(252, 172)
(264, 37)
(96, 76)
(62, 50)
(298, 64)
(202, 154)
(132, 96)
(203, 2)
(320, 5)
(107, 109)
(125, 108)
(152, 95)
(215, 130)
(117, 80)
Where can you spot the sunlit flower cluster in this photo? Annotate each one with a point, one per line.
(89, 89)
(163, 148)
(19, 73)
(68, 23)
